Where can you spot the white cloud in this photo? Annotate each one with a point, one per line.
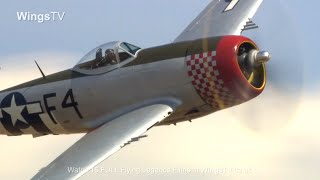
(16, 69)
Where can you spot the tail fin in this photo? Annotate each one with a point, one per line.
(220, 17)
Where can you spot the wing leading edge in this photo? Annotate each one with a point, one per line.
(101, 143)
(220, 17)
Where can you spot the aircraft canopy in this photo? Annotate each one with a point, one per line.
(106, 57)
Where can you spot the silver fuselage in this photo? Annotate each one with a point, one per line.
(101, 98)
(198, 77)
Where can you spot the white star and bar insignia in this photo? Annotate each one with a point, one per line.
(15, 110)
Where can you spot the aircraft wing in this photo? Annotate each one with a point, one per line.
(221, 17)
(101, 143)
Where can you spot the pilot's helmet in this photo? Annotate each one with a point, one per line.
(109, 51)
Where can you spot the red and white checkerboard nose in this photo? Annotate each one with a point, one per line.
(217, 77)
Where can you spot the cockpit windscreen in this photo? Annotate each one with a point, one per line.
(106, 57)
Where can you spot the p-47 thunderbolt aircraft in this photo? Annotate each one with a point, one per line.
(119, 91)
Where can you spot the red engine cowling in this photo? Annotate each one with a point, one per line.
(220, 79)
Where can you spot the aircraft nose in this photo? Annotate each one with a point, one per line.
(207, 79)
(263, 57)
(225, 77)
(260, 57)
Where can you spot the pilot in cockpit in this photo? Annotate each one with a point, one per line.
(110, 57)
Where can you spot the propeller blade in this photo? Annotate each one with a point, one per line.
(276, 106)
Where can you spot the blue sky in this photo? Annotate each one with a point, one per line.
(88, 24)
(288, 29)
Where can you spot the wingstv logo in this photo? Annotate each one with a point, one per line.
(41, 17)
